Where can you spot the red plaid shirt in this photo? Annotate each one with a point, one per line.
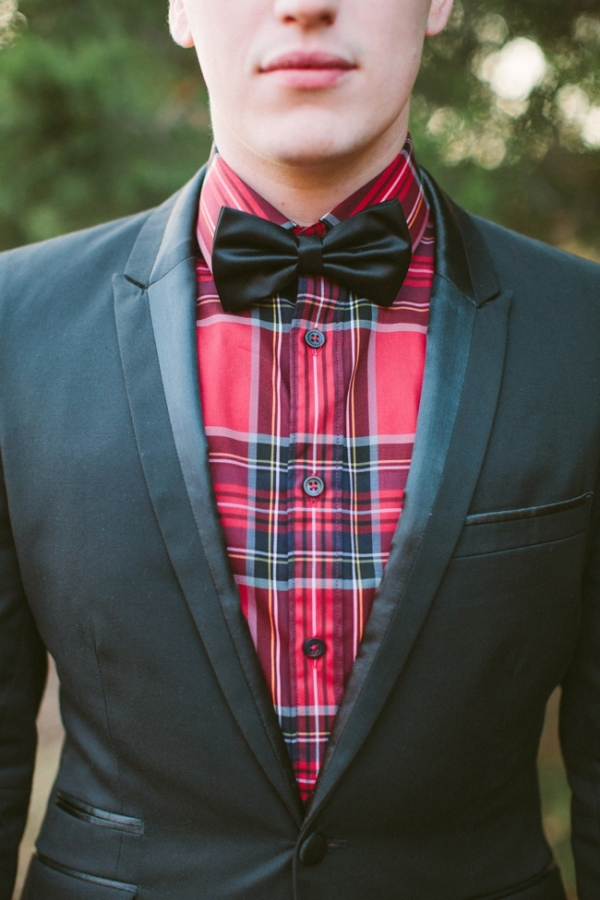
(310, 411)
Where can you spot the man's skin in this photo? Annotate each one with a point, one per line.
(309, 98)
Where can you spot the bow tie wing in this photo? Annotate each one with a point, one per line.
(252, 259)
(370, 252)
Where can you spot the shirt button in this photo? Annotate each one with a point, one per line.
(314, 648)
(314, 338)
(313, 850)
(313, 486)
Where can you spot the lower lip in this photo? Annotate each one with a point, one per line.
(308, 79)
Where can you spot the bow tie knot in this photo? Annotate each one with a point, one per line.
(254, 259)
(310, 254)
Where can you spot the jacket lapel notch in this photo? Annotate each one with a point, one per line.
(462, 256)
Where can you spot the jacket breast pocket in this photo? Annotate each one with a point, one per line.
(514, 529)
(50, 880)
(79, 809)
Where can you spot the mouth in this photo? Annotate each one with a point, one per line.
(308, 70)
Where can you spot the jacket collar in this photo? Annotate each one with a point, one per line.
(462, 258)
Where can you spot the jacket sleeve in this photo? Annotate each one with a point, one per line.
(580, 725)
(22, 677)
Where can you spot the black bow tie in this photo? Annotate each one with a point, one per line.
(253, 259)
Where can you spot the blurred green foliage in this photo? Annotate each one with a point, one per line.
(556, 796)
(101, 115)
(532, 163)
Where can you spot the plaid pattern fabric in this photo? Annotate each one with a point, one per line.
(310, 409)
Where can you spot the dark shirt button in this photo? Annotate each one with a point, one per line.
(314, 338)
(314, 648)
(313, 850)
(313, 486)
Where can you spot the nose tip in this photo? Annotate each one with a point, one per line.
(307, 13)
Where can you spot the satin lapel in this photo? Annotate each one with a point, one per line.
(464, 363)
(155, 314)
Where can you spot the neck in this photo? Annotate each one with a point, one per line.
(305, 192)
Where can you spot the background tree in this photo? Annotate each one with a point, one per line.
(513, 88)
(100, 115)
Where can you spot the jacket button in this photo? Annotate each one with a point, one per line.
(313, 850)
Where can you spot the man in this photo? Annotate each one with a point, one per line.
(303, 652)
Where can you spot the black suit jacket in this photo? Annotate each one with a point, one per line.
(174, 780)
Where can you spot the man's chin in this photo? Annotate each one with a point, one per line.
(311, 151)
(322, 139)
(316, 159)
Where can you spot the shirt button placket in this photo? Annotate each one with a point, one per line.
(313, 648)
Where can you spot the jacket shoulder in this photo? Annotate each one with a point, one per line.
(522, 261)
(81, 251)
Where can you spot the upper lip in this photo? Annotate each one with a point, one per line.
(304, 59)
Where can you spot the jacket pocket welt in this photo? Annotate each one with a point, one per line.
(546, 885)
(97, 816)
(512, 529)
(529, 512)
(50, 880)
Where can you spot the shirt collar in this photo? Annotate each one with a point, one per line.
(400, 180)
